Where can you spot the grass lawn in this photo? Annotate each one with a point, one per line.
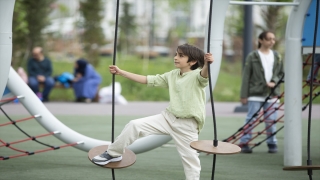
(158, 164)
(227, 88)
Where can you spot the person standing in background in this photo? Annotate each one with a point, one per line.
(262, 71)
(40, 71)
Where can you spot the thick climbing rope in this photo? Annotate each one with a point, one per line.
(309, 161)
(252, 124)
(215, 140)
(241, 129)
(113, 75)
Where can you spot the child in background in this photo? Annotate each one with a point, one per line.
(262, 71)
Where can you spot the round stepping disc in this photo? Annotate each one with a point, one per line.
(128, 158)
(301, 168)
(223, 148)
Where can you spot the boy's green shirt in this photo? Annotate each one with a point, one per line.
(187, 93)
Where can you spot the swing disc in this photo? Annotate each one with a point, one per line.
(301, 168)
(223, 148)
(128, 158)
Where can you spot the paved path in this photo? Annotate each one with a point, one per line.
(222, 109)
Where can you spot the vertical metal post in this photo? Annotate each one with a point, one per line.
(247, 43)
(247, 32)
(293, 83)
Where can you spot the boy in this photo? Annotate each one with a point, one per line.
(183, 118)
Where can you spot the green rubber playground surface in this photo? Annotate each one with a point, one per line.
(161, 163)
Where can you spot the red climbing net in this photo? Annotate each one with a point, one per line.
(9, 145)
(262, 116)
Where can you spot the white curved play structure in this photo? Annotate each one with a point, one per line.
(35, 107)
(293, 79)
(6, 13)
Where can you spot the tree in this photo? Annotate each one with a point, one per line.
(182, 21)
(92, 36)
(127, 27)
(234, 25)
(275, 19)
(29, 19)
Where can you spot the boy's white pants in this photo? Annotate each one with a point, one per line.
(183, 132)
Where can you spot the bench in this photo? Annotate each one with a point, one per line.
(58, 85)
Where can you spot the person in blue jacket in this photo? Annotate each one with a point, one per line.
(86, 81)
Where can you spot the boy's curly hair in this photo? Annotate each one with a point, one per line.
(193, 53)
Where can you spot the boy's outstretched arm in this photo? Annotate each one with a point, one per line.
(134, 77)
(208, 58)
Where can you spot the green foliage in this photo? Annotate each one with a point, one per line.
(181, 23)
(93, 36)
(179, 4)
(127, 27)
(234, 21)
(229, 82)
(63, 9)
(275, 19)
(37, 17)
(29, 19)
(227, 88)
(130, 90)
(20, 32)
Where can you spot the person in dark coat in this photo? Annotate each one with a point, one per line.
(40, 71)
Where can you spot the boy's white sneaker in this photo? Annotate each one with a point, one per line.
(105, 158)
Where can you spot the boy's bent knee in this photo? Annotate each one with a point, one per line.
(134, 123)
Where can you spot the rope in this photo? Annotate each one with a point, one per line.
(307, 60)
(260, 121)
(17, 121)
(259, 143)
(10, 147)
(113, 75)
(269, 126)
(22, 130)
(309, 162)
(256, 114)
(314, 97)
(254, 124)
(250, 122)
(8, 99)
(34, 138)
(27, 139)
(215, 141)
(27, 153)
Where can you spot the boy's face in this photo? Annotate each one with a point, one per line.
(181, 62)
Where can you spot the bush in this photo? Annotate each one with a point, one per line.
(226, 89)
